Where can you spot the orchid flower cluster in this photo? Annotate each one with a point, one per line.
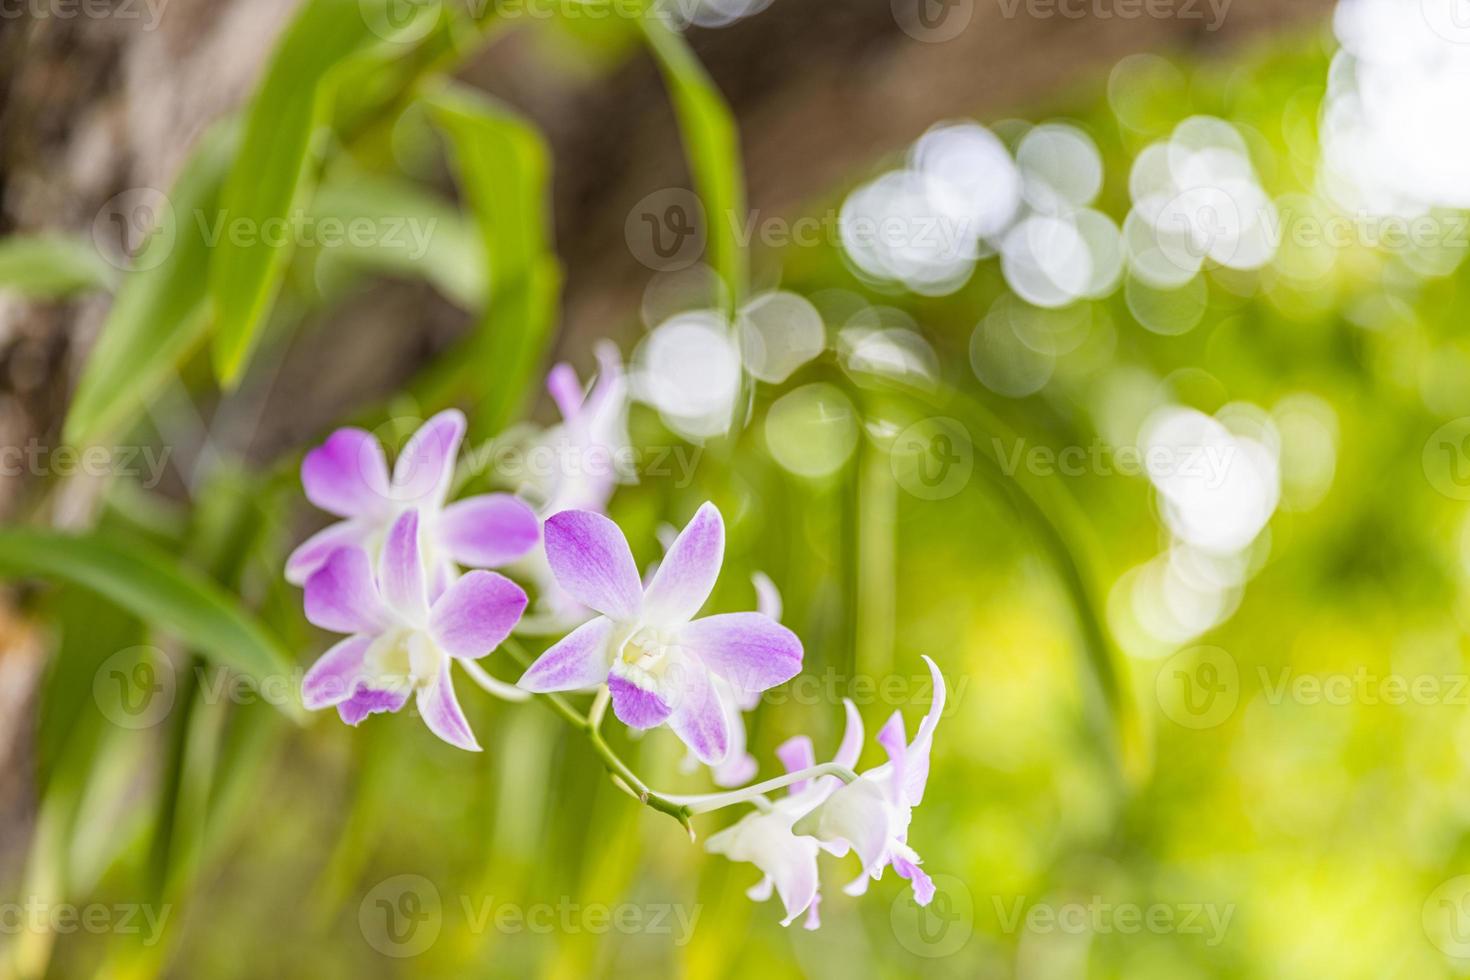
(415, 584)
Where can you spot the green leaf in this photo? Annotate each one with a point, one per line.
(503, 169)
(282, 147)
(414, 233)
(49, 266)
(712, 146)
(161, 312)
(152, 585)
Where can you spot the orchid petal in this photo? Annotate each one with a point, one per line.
(891, 736)
(312, 553)
(923, 884)
(749, 650)
(334, 677)
(425, 468)
(852, 737)
(578, 661)
(488, 531)
(566, 389)
(441, 712)
(767, 596)
(347, 475)
(699, 717)
(796, 754)
(591, 560)
(476, 614)
(686, 576)
(371, 701)
(917, 775)
(401, 569)
(634, 705)
(341, 595)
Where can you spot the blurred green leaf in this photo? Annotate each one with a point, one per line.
(417, 234)
(152, 585)
(502, 166)
(47, 266)
(712, 145)
(161, 312)
(281, 147)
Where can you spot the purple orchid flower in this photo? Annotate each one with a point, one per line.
(787, 860)
(871, 816)
(402, 641)
(658, 661)
(348, 476)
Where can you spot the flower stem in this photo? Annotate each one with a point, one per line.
(492, 685)
(717, 801)
(590, 725)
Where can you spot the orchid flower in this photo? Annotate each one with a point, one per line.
(658, 661)
(348, 476)
(739, 766)
(788, 861)
(871, 815)
(591, 442)
(403, 641)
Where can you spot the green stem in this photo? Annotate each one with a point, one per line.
(709, 802)
(590, 725)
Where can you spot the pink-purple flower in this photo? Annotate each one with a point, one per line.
(658, 660)
(348, 476)
(403, 637)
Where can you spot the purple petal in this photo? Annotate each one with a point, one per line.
(747, 649)
(476, 614)
(895, 742)
(687, 574)
(852, 737)
(699, 717)
(576, 662)
(488, 531)
(441, 712)
(335, 675)
(590, 558)
(423, 471)
(565, 389)
(635, 706)
(917, 776)
(401, 569)
(796, 754)
(347, 475)
(923, 884)
(371, 701)
(312, 553)
(341, 596)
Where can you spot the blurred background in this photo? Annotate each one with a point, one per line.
(1109, 352)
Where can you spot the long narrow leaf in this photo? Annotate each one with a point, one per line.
(49, 266)
(153, 586)
(161, 312)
